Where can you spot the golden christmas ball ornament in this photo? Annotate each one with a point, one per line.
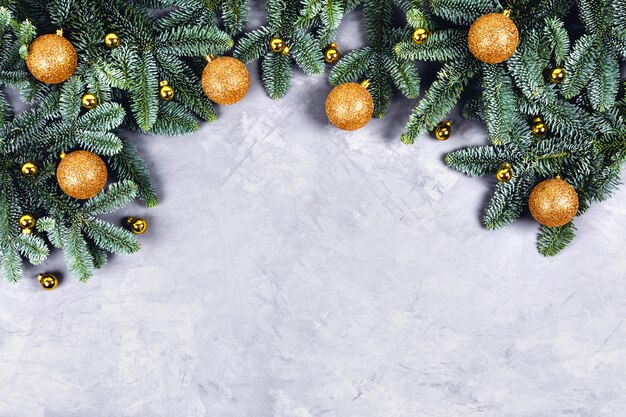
(420, 35)
(350, 106)
(137, 225)
(89, 101)
(82, 174)
(277, 45)
(539, 128)
(225, 80)
(493, 38)
(29, 169)
(332, 54)
(52, 59)
(443, 131)
(166, 92)
(557, 75)
(48, 281)
(553, 203)
(112, 40)
(27, 223)
(505, 172)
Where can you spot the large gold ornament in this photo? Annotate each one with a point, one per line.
(27, 223)
(137, 225)
(350, 106)
(29, 169)
(48, 281)
(539, 128)
(505, 172)
(420, 35)
(493, 38)
(225, 80)
(82, 174)
(89, 101)
(278, 46)
(332, 54)
(557, 75)
(52, 59)
(443, 131)
(553, 203)
(166, 92)
(112, 41)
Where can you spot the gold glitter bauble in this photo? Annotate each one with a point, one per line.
(166, 92)
(493, 38)
(112, 41)
(557, 75)
(443, 131)
(27, 223)
(277, 45)
(51, 59)
(349, 106)
(505, 172)
(48, 281)
(82, 174)
(539, 128)
(225, 80)
(420, 35)
(553, 203)
(137, 225)
(89, 101)
(332, 54)
(29, 169)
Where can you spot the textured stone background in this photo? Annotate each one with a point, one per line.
(294, 270)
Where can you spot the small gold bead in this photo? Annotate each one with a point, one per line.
(444, 130)
(539, 128)
(48, 281)
(505, 173)
(420, 35)
(332, 54)
(285, 50)
(167, 93)
(137, 225)
(277, 45)
(89, 101)
(112, 40)
(29, 169)
(557, 76)
(27, 221)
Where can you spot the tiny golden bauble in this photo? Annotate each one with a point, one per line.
(493, 38)
(225, 80)
(48, 281)
(82, 174)
(27, 222)
(29, 169)
(350, 106)
(332, 54)
(505, 172)
(52, 59)
(443, 131)
(89, 101)
(557, 75)
(277, 45)
(553, 203)
(137, 225)
(420, 35)
(166, 92)
(112, 41)
(539, 128)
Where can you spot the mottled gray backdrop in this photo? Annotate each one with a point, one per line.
(293, 270)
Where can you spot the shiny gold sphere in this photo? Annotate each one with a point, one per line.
(420, 35)
(225, 80)
(29, 169)
(557, 75)
(137, 225)
(27, 221)
(48, 281)
(89, 101)
(539, 128)
(332, 54)
(493, 38)
(277, 45)
(52, 59)
(553, 203)
(443, 131)
(82, 174)
(112, 41)
(349, 106)
(166, 92)
(505, 172)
